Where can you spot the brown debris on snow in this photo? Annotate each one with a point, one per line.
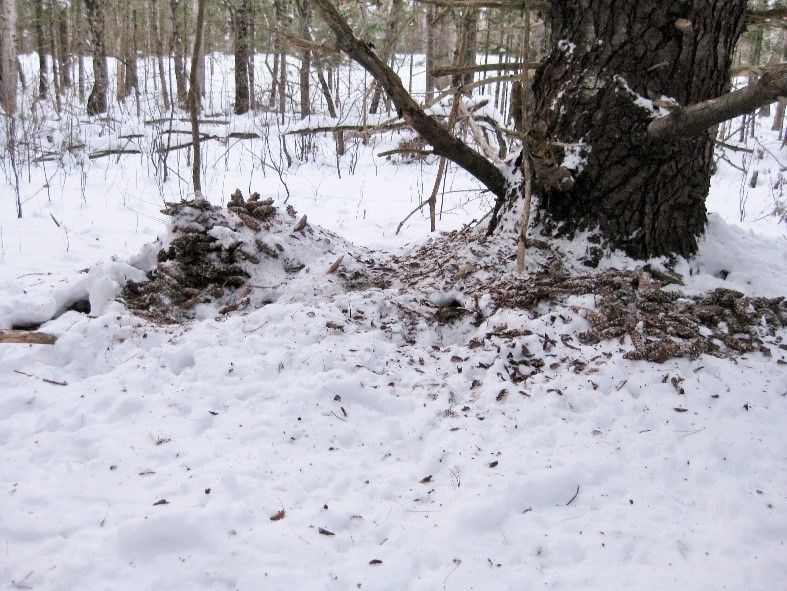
(659, 324)
(212, 250)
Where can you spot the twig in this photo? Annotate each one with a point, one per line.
(520, 247)
(479, 137)
(409, 215)
(574, 497)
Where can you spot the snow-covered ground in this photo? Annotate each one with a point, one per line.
(339, 439)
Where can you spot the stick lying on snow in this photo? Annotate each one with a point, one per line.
(26, 337)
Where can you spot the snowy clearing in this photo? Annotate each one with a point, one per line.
(327, 434)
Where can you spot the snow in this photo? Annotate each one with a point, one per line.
(656, 108)
(566, 46)
(144, 455)
(576, 157)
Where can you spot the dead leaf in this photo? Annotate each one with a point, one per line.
(334, 266)
(325, 532)
(465, 270)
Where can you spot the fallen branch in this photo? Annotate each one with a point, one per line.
(105, 153)
(167, 149)
(186, 120)
(26, 337)
(387, 126)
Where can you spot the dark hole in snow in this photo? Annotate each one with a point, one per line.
(81, 306)
(27, 326)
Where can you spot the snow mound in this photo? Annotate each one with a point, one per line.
(246, 255)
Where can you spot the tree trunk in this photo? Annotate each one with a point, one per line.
(57, 61)
(194, 99)
(609, 58)
(252, 52)
(778, 117)
(158, 42)
(239, 17)
(10, 76)
(131, 81)
(97, 101)
(429, 15)
(305, 16)
(64, 47)
(79, 21)
(179, 51)
(41, 48)
(469, 28)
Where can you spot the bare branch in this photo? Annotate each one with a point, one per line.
(310, 45)
(517, 66)
(697, 119)
(760, 16)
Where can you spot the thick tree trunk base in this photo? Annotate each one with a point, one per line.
(615, 67)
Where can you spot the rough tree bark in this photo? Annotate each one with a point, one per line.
(609, 58)
(97, 100)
